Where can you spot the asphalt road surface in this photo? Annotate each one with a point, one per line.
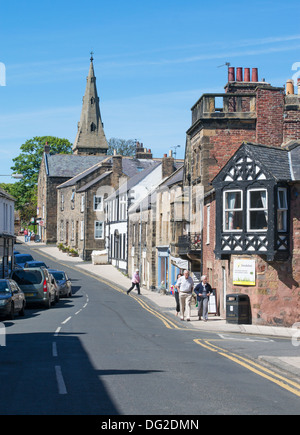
(102, 352)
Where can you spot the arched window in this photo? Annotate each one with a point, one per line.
(93, 127)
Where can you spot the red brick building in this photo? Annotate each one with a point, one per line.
(255, 112)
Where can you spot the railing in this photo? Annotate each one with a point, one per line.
(189, 243)
(224, 105)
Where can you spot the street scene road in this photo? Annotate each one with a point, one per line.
(102, 352)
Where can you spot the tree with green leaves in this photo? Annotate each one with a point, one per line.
(28, 164)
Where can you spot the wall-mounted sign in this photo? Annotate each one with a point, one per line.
(243, 272)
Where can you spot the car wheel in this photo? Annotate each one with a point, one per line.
(22, 311)
(11, 315)
(47, 304)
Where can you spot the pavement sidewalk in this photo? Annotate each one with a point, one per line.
(166, 303)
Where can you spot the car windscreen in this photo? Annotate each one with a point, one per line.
(4, 287)
(27, 277)
(38, 264)
(23, 258)
(59, 276)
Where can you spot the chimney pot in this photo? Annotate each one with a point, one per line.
(290, 87)
(254, 75)
(298, 85)
(239, 74)
(165, 155)
(247, 75)
(231, 74)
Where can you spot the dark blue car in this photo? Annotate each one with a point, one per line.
(12, 299)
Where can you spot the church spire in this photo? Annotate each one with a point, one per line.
(90, 138)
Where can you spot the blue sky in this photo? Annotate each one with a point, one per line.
(152, 59)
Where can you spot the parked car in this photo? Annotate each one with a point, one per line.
(21, 259)
(63, 282)
(36, 284)
(34, 264)
(12, 299)
(56, 287)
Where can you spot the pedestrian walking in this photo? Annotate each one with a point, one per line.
(176, 294)
(185, 285)
(26, 235)
(203, 291)
(135, 282)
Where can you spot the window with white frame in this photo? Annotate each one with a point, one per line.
(257, 213)
(99, 233)
(82, 203)
(61, 230)
(282, 209)
(81, 230)
(233, 210)
(98, 203)
(123, 207)
(208, 225)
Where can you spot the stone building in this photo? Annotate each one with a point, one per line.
(80, 209)
(90, 147)
(7, 236)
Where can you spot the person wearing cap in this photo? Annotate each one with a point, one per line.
(135, 282)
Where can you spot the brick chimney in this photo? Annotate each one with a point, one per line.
(46, 148)
(168, 165)
(141, 152)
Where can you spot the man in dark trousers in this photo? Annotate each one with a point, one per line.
(203, 291)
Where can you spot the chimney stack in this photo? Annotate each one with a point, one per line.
(168, 165)
(46, 148)
(254, 75)
(298, 85)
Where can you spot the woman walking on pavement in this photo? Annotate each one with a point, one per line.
(203, 291)
(135, 282)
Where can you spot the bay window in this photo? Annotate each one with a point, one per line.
(233, 210)
(282, 210)
(257, 210)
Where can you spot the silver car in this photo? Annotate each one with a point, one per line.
(37, 285)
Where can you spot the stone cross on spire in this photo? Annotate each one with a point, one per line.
(90, 138)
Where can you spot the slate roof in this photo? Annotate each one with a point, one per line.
(275, 160)
(68, 165)
(94, 181)
(282, 164)
(295, 161)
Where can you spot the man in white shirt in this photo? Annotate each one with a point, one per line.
(185, 285)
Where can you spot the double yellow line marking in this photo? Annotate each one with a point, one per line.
(281, 381)
(167, 322)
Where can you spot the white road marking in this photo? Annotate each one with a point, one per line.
(66, 321)
(57, 331)
(54, 349)
(60, 381)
